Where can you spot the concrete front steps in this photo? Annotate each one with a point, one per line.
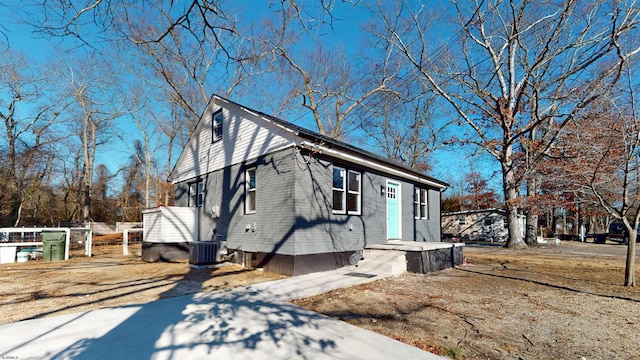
(397, 257)
(382, 262)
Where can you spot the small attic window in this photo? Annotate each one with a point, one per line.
(216, 125)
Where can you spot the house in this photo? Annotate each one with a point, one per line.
(483, 224)
(290, 200)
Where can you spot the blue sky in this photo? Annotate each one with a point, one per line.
(449, 165)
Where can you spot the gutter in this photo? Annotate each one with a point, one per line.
(371, 164)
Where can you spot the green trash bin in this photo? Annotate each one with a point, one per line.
(53, 245)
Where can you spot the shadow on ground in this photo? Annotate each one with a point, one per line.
(226, 323)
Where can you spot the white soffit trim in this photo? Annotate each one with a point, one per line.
(369, 163)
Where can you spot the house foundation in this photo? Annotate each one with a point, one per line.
(426, 257)
(293, 265)
(153, 252)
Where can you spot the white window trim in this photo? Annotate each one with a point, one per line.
(416, 203)
(214, 136)
(359, 193)
(424, 201)
(343, 189)
(199, 195)
(247, 191)
(462, 220)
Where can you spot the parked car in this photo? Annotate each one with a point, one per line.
(618, 232)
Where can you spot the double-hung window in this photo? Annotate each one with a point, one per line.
(250, 191)
(420, 204)
(353, 192)
(196, 194)
(338, 190)
(216, 125)
(347, 191)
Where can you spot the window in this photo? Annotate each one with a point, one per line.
(250, 191)
(353, 195)
(347, 191)
(462, 220)
(196, 194)
(216, 125)
(391, 192)
(338, 190)
(420, 208)
(488, 221)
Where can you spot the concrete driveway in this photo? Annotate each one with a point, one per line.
(254, 322)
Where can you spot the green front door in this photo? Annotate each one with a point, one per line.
(393, 211)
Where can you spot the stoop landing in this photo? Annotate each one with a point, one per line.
(383, 262)
(396, 257)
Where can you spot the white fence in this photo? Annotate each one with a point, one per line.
(77, 238)
(19, 237)
(125, 239)
(102, 228)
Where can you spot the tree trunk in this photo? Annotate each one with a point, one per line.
(515, 240)
(86, 205)
(629, 271)
(18, 212)
(147, 188)
(554, 223)
(531, 233)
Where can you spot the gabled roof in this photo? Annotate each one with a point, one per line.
(314, 140)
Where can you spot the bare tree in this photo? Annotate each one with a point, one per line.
(146, 149)
(29, 112)
(86, 19)
(131, 197)
(516, 71)
(103, 205)
(183, 66)
(319, 79)
(200, 18)
(71, 184)
(182, 52)
(600, 160)
(404, 123)
(93, 86)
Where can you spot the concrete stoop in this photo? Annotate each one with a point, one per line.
(383, 262)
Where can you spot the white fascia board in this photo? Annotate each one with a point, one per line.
(249, 111)
(371, 164)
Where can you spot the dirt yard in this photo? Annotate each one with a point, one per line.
(556, 302)
(38, 289)
(563, 302)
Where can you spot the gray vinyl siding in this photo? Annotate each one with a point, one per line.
(294, 207)
(271, 227)
(407, 220)
(318, 229)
